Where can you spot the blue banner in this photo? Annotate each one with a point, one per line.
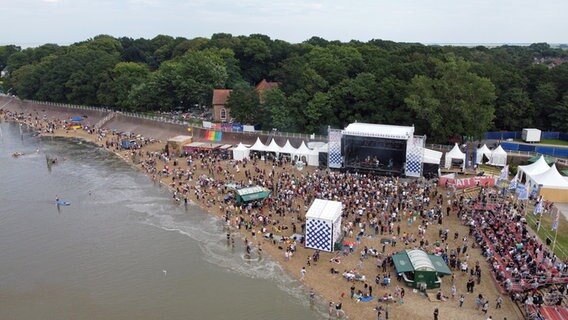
(237, 127)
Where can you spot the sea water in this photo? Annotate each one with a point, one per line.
(123, 249)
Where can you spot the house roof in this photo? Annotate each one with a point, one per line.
(220, 96)
(266, 85)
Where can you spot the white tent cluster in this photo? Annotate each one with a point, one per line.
(495, 157)
(540, 174)
(311, 156)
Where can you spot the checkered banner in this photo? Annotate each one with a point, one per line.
(414, 156)
(318, 235)
(334, 148)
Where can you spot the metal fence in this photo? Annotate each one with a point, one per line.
(504, 135)
(175, 120)
(536, 149)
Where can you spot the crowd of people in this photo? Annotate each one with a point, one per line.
(519, 260)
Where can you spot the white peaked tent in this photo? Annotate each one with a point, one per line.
(274, 147)
(240, 152)
(323, 224)
(288, 148)
(498, 157)
(312, 156)
(455, 154)
(258, 146)
(551, 178)
(533, 169)
(432, 156)
(480, 152)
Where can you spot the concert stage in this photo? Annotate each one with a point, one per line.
(380, 149)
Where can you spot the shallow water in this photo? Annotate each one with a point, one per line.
(123, 249)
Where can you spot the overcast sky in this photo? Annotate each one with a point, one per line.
(33, 22)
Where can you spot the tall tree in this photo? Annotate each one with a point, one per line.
(559, 116)
(244, 105)
(276, 106)
(124, 77)
(455, 101)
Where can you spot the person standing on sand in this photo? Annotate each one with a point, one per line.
(338, 310)
(453, 292)
(498, 302)
(436, 312)
(302, 273)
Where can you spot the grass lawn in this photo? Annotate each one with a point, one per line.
(546, 231)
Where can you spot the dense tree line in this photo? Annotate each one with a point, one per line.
(442, 90)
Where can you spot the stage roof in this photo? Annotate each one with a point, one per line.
(379, 131)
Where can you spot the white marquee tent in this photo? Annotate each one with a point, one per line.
(480, 152)
(498, 157)
(455, 154)
(551, 178)
(258, 146)
(240, 152)
(273, 147)
(288, 148)
(323, 224)
(533, 169)
(312, 156)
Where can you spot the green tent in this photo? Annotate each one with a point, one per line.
(252, 194)
(417, 267)
(549, 160)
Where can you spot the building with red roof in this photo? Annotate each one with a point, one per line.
(220, 97)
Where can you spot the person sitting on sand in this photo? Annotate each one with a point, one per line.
(440, 296)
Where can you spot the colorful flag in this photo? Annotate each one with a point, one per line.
(555, 223)
(513, 184)
(504, 173)
(538, 208)
(523, 192)
(534, 192)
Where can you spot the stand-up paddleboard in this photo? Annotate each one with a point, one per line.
(62, 203)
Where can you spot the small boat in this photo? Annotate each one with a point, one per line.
(17, 154)
(62, 203)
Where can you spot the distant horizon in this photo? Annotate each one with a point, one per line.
(26, 45)
(35, 22)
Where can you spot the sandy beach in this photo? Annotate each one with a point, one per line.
(202, 182)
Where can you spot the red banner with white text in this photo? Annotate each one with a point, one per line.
(466, 182)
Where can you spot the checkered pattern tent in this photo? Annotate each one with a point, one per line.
(323, 224)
